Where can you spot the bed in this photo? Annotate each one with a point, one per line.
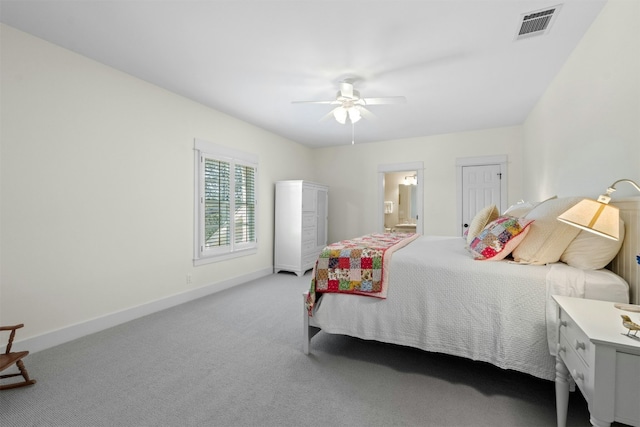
(440, 298)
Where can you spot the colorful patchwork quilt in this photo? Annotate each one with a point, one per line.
(356, 266)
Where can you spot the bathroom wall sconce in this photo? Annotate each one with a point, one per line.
(597, 216)
(388, 207)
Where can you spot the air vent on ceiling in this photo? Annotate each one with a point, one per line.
(538, 22)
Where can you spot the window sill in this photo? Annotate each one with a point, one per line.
(224, 257)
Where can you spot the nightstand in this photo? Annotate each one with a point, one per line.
(605, 363)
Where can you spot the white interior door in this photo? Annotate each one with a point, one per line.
(481, 186)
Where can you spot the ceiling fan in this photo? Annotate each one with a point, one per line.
(351, 106)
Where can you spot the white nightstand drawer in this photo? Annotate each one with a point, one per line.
(576, 366)
(575, 338)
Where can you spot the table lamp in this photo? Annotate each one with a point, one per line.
(597, 216)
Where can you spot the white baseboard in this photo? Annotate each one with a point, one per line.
(79, 330)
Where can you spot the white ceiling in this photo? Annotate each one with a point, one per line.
(456, 61)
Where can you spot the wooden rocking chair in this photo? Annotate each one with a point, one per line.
(8, 359)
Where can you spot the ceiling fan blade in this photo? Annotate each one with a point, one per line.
(329, 115)
(346, 89)
(385, 100)
(315, 102)
(366, 113)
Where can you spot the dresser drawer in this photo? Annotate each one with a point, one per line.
(308, 245)
(309, 260)
(308, 220)
(575, 338)
(309, 235)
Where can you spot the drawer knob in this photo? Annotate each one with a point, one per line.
(579, 345)
(577, 375)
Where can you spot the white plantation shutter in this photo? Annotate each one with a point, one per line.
(245, 204)
(226, 203)
(217, 203)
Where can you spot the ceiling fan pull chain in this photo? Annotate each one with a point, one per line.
(353, 141)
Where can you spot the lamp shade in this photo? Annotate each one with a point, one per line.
(595, 217)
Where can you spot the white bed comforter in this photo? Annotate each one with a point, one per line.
(441, 300)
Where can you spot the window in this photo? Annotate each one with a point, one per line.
(225, 205)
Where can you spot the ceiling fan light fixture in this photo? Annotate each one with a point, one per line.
(350, 106)
(354, 114)
(340, 114)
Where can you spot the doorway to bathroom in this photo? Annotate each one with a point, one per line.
(400, 197)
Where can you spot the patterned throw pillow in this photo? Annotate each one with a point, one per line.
(499, 238)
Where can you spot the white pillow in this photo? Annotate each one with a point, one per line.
(547, 238)
(522, 208)
(480, 221)
(589, 251)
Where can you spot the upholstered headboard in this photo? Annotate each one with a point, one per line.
(625, 264)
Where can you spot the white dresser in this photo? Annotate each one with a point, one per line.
(300, 225)
(603, 362)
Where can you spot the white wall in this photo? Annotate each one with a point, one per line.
(584, 133)
(97, 188)
(351, 173)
